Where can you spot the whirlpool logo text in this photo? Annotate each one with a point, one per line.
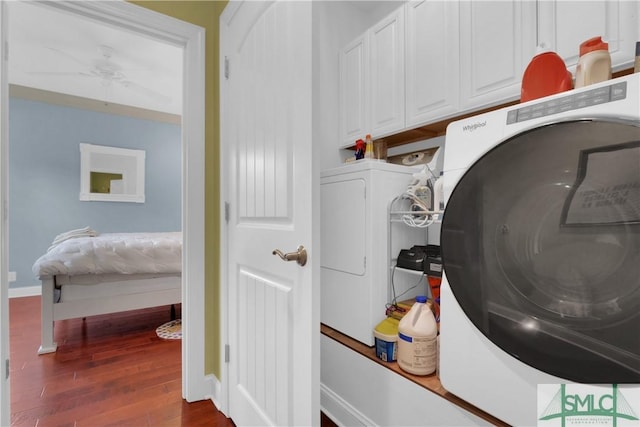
(472, 127)
(577, 405)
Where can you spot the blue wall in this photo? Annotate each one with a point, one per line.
(44, 178)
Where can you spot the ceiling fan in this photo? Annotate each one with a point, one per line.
(106, 71)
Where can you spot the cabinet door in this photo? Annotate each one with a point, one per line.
(615, 21)
(387, 74)
(354, 100)
(432, 61)
(497, 40)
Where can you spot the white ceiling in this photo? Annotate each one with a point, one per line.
(59, 52)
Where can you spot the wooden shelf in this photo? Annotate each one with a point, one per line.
(430, 382)
(432, 130)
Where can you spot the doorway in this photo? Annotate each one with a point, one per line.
(190, 38)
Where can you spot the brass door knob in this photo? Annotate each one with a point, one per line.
(300, 256)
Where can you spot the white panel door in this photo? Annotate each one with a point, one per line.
(615, 21)
(386, 44)
(354, 91)
(497, 40)
(273, 370)
(433, 61)
(5, 411)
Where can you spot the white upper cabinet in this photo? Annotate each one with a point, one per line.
(386, 42)
(432, 61)
(401, 73)
(372, 81)
(497, 41)
(354, 91)
(563, 25)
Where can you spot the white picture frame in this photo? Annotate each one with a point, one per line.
(122, 167)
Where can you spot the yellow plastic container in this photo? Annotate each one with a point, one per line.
(386, 337)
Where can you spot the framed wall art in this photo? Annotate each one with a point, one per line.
(111, 174)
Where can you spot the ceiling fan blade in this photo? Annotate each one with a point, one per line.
(60, 73)
(69, 56)
(145, 91)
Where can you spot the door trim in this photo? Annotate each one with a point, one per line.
(5, 381)
(190, 37)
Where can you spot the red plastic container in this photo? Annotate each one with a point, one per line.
(545, 75)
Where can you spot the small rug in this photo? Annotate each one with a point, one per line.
(170, 330)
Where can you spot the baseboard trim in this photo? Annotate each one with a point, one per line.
(25, 291)
(340, 411)
(214, 393)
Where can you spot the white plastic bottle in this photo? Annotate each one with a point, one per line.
(594, 65)
(417, 332)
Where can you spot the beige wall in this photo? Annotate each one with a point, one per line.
(206, 14)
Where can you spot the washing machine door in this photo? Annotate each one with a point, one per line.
(541, 248)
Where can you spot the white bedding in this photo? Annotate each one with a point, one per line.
(113, 253)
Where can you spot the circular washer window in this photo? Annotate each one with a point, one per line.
(541, 247)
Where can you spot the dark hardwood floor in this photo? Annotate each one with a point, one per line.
(109, 370)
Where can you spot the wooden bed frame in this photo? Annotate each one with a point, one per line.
(91, 295)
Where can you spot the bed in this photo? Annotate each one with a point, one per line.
(85, 273)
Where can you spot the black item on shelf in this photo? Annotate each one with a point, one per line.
(433, 261)
(433, 251)
(412, 259)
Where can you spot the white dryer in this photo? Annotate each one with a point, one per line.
(541, 248)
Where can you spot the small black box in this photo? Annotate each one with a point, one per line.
(411, 259)
(433, 261)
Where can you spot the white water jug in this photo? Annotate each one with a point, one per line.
(417, 334)
(594, 65)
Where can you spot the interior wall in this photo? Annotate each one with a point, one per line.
(327, 40)
(206, 14)
(44, 178)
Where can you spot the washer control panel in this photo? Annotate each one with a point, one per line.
(575, 101)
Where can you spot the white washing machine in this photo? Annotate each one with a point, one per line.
(541, 248)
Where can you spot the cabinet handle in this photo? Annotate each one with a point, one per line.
(300, 256)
